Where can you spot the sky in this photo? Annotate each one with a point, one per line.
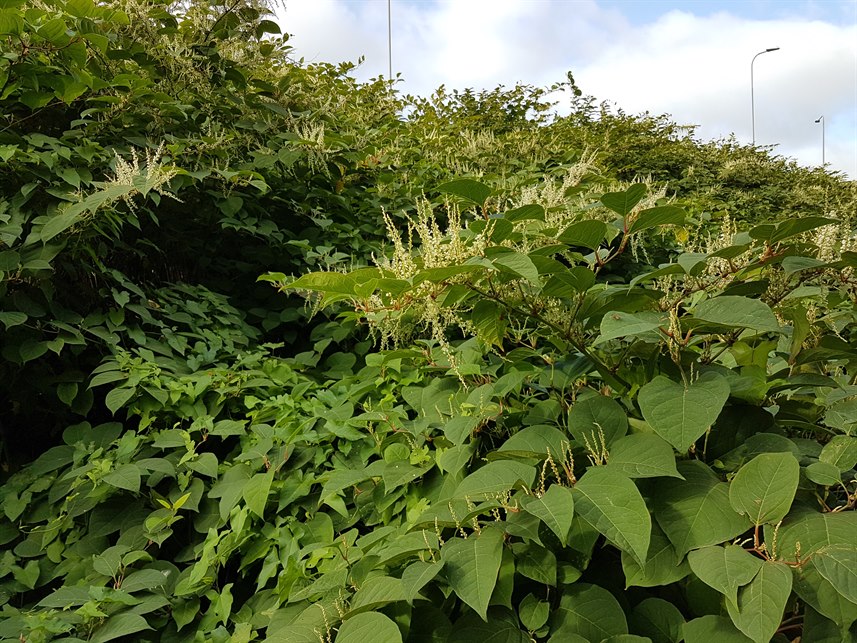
(689, 59)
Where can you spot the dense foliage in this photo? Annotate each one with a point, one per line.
(526, 377)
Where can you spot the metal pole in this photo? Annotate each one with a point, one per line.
(752, 95)
(820, 119)
(390, 39)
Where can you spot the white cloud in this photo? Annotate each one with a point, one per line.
(696, 68)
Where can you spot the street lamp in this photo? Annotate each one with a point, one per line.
(820, 119)
(752, 96)
(390, 39)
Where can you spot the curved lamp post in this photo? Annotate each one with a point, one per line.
(820, 119)
(752, 95)
(390, 39)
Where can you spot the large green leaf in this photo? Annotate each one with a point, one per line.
(623, 202)
(588, 611)
(724, 568)
(369, 626)
(643, 455)
(495, 477)
(588, 234)
(662, 567)
(595, 419)
(761, 604)
(617, 324)
(539, 439)
(679, 413)
(416, 576)
(838, 565)
(376, 592)
(841, 452)
(764, 488)
(126, 476)
(696, 512)
(805, 539)
(468, 189)
(712, 629)
(119, 625)
(737, 312)
(658, 619)
(472, 565)
(654, 217)
(517, 264)
(255, 492)
(555, 508)
(611, 503)
(489, 321)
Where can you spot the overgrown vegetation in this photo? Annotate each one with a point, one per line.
(526, 378)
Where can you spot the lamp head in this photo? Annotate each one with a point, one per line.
(819, 119)
(772, 49)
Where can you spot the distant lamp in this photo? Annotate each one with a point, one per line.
(820, 119)
(752, 95)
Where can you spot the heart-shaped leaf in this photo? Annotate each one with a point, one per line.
(681, 414)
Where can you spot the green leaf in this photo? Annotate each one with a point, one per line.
(468, 189)
(663, 566)
(369, 626)
(682, 414)
(588, 611)
(494, 631)
(597, 419)
(761, 604)
(117, 398)
(518, 264)
(588, 234)
(568, 283)
(796, 226)
(712, 629)
(838, 564)
(612, 504)
(724, 568)
(256, 490)
(696, 512)
(537, 440)
(529, 212)
(555, 508)
(80, 8)
(416, 576)
(823, 473)
(10, 22)
(489, 320)
(617, 324)
(654, 217)
(9, 261)
(643, 455)
(126, 476)
(737, 312)
(805, 540)
(533, 612)
(10, 319)
(535, 562)
(495, 477)
(377, 592)
(118, 625)
(841, 452)
(623, 202)
(658, 619)
(334, 283)
(57, 224)
(764, 488)
(472, 566)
